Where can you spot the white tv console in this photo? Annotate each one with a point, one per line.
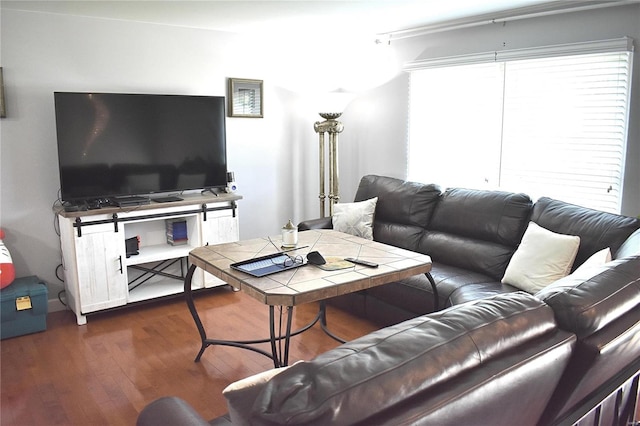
(98, 274)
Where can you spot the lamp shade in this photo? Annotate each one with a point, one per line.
(333, 102)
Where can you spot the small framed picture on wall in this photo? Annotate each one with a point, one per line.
(246, 98)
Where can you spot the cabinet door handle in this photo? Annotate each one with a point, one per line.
(120, 260)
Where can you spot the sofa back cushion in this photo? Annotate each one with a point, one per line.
(597, 229)
(370, 374)
(494, 216)
(403, 210)
(477, 230)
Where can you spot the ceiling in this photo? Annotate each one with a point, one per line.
(372, 16)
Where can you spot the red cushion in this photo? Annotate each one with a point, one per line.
(7, 271)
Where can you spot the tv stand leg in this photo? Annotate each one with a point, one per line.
(81, 319)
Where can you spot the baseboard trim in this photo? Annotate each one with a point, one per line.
(55, 305)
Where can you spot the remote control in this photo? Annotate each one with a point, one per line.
(362, 262)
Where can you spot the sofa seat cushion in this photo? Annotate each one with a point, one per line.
(487, 258)
(585, 306)
(449, 278)
(372, 373)
(474, 291)
(410, 297)
(597, 229)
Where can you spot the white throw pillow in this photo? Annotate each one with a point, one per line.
(631, 246)
(592, 265)
(355, 218)
(542, 258)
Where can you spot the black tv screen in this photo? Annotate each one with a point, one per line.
(113, 144)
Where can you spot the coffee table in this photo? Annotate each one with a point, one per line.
(302, 285)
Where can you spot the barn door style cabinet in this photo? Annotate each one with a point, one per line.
(101, 270)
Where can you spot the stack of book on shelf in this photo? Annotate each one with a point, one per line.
(177, 231)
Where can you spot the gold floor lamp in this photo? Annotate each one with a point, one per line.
(331, 126)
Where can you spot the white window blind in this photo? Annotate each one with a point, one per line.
(455, 125)
(553, 126)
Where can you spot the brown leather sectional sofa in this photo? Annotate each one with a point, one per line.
(470, 235)
(568, 354)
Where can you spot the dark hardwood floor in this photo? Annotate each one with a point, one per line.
(105, 372)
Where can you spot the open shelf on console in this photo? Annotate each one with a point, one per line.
(157, 279)
(158, 252)
(153, 243)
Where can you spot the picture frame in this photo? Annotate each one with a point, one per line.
(246, 98)
(3, 110)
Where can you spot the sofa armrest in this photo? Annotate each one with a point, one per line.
(586, 306)
(320, 223)
(170, 410)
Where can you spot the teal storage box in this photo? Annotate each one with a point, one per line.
(24, 307)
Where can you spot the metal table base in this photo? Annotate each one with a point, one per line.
(279, 353)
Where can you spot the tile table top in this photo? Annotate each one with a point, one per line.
(309, 283)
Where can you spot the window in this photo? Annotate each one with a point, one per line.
(547, 122)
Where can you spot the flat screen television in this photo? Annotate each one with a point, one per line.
(114, 144)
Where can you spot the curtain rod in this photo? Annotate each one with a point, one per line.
(522, 13)
(598, 46)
